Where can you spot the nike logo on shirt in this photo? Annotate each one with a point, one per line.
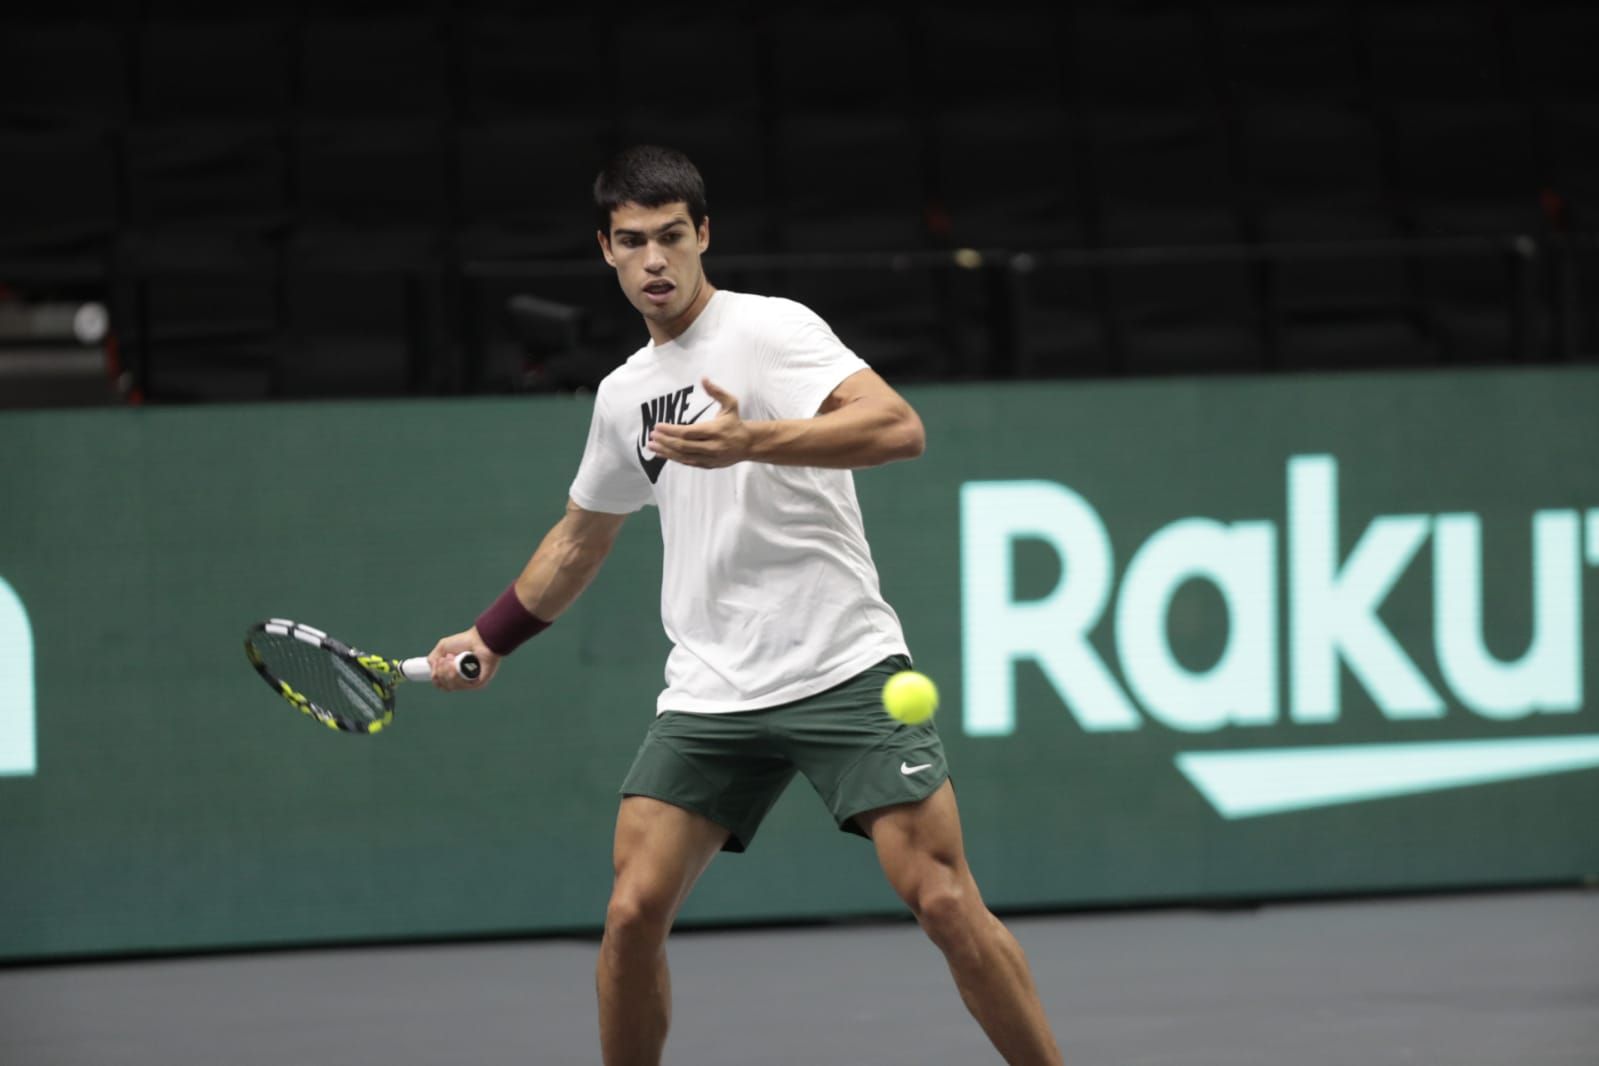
(670, 410)
(907, 769)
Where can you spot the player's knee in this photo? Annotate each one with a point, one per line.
(637, 916)
(943, 907)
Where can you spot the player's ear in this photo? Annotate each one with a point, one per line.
(605, 246)
(704, 235)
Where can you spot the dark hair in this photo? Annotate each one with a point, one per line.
(650, 176)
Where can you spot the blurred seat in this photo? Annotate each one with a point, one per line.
(1467, 168)
(1571, 145)
(1164, 178)
(1470, 305)
(206, 333)
(1346, 313)
(1186, 317)
(221, 180)
(850, 184)
(608, 330)
(1579, 331)
(1421, 53)
(527, 63)
(1283, 55)
(1008, 179)
(992, 58)
(352, 334)
(526, 186)
(214, 69)
(373, 66)
(846, 61)
(62, 73)
(703, 61)
(1141, 57)
(58, 192)
(1061, 331)
(372, 192)
(1553, 46)
(1314, 173)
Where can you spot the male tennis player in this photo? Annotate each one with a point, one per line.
(740, 421)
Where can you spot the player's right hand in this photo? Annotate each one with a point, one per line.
(442, 660)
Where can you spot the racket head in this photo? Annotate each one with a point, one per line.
(340, 686)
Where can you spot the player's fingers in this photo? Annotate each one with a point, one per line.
(728, 401)
(676, 451)
(670, 447)
(700, 431)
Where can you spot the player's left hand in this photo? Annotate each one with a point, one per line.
(722, 441)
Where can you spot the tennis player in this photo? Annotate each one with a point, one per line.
(741, 421)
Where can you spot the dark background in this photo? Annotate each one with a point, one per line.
(288, 200)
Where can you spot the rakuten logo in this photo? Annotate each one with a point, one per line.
(17, 750)
(1330, 608)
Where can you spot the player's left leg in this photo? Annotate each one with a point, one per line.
(920, 847)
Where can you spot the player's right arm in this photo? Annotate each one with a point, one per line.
(564, 563)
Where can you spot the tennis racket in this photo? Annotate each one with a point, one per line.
(342, 687)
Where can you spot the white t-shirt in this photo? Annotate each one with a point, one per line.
(768, 593)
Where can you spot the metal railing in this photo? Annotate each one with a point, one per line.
(1538, 292)
(980, 311)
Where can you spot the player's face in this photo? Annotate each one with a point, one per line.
(656, 252)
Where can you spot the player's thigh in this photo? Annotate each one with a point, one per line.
(659, 852)
(717, 766)
(920, 847)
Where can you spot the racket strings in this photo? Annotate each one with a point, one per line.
(317, 675)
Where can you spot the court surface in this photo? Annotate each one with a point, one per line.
(1487, 980)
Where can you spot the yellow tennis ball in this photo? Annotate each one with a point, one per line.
(911, 697)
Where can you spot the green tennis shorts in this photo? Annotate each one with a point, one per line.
(731, 767)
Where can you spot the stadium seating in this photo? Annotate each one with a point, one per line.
(381, 150)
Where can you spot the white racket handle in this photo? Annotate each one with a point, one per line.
(417, 669)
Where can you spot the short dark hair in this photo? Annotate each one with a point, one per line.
(650, 176)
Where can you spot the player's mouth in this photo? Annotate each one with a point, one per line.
(659, 291)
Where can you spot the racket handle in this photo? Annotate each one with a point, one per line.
(466, 664)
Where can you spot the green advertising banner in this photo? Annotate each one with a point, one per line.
(1197, 640)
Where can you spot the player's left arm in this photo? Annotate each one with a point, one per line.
(863, 422)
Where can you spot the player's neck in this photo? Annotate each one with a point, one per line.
(666, 332)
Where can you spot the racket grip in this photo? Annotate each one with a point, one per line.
(417, 669)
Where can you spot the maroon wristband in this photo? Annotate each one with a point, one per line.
(507, 625)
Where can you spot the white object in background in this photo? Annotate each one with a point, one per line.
(18, 750)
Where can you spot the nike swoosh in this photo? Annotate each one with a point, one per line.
(908, 770)
(653, 465)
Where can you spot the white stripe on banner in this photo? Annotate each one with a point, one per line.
(19, 754)
(1244, 784)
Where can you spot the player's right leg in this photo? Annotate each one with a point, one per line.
(660, 852)
(698, 784)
